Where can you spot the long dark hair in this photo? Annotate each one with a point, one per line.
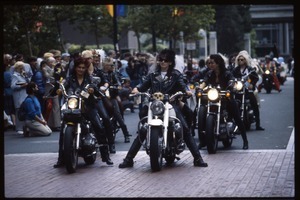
(77, 62)
(219, 61)
(169, 55)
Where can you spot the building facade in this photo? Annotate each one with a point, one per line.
(274, 26)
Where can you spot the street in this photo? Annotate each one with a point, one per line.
(276, 113)
(267, 169)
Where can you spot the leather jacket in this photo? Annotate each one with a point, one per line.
(253, 76)
(225, 77)
(172, 83)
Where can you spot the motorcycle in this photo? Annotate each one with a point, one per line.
(214, 124)
(247, 113)
(267, 81)
(79, 139)
(164, 129)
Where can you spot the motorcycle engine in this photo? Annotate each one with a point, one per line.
(89, 142)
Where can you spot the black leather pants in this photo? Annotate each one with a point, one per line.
(233, 109)
(254, 106)
(119, 117)
(106, 121)
(187, 136)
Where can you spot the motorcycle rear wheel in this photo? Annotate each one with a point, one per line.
(211, 137)
(156, 148)
(70, 152)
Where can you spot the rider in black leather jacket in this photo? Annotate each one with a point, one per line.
(243, 67)
(113, 78)
(168, 80)
(77, 82)
(219, 75)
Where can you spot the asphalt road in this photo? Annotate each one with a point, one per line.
(277, 117)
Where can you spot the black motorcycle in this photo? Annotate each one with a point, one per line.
(246, 110)
(268, 81)
(214, 123)
(79, 139)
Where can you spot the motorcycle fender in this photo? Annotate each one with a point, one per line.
(156, 122)
(70, 123)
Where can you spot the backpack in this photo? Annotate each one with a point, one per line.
(22, 111)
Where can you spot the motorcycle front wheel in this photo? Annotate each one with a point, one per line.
(70, 152)
(211, 137)
(156, 148)
(246, 120)
(201, 126)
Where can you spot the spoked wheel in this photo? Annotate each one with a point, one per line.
(211, 137)
(70, 152)
(156, 148)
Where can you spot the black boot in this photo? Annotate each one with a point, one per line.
(127, 139)
(259, 128)
(112, 148)
(245, 140)
(105, 155)
(126, 133)
(60, 160)
(127, 162)
(136, 145)
(200, 162)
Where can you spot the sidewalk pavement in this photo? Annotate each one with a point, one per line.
(230, 173)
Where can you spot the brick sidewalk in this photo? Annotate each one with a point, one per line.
(230, 173)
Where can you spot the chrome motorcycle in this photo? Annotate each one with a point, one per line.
(164, 129)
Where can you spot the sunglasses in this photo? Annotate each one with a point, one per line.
(241, 59)
(163, 60)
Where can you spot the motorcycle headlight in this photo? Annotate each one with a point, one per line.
(157, 107)
(213, 94)
(267, 72)
(72, 103)
(238, 86)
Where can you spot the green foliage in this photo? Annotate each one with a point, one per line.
(232, 21)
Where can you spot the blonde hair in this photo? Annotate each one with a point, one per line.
(18, 65)
(87, 54)
(47, 55)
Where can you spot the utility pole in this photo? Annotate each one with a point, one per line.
(116, 46)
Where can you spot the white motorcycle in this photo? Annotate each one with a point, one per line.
(164, 129)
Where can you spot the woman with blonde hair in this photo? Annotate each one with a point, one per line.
(19, 82)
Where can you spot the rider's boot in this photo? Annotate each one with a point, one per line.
(126, 134)
(245, 141)
(60, 160)
(199, 162)
(135, 147)
(105, 155)
(191, 144)
(112, 148)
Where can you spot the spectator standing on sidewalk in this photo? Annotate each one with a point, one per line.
(9, 106)
(19, 82)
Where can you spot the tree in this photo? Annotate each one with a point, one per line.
(232, 21)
